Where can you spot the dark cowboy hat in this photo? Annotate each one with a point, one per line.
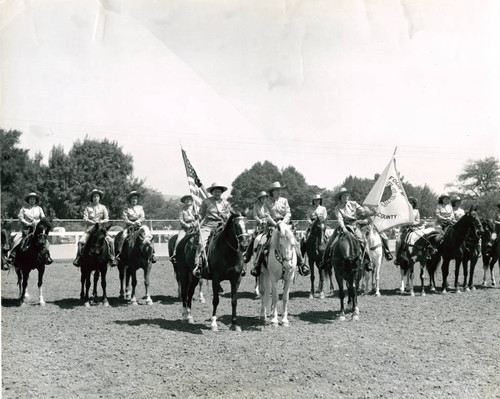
(413, 201)
(275, 186)
(133, 194)
(214, 186)
(32, 194)
(443, 195)
(262, 194)
(96, 191)
(341, 192)
(184, 198)
(315, 197)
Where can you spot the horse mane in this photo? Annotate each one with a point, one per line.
(229, 221)
(44, 226)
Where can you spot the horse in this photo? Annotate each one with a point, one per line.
(281, 265)
(137, 253)
(421, 246)
(374, 250)
(314, 246)
(33, 253)
(452, 244)
(171, 245)
(471, 252)
(95, 258)
(225, 262)
(490, 250)
(347, 260)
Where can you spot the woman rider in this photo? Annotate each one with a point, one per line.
(277, 209)
(92, 214)
(317, 210)
(214, 211)
(347, 213)
(29, 216)
(405, 230)
(259, 215)
(187, 219)
(444, 211)
(458, 212)
(133, 216)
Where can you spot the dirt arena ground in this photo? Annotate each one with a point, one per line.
(402, 347)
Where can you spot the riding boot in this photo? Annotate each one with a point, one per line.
(76, 262)
(201, 267)
(387, 251)
(261, 260)
(248, 253)
(153, 258)
(303, 269)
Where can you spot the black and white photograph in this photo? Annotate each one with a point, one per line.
(250, 199)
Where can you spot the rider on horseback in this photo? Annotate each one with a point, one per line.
(133, 216)
(259, 215)
(348, 213)
(214, 211)
(29, 216)
(405, 230)
(458, 212)
(276, 209)
(317, 210)
(187, 219)
(92, 214)
(444, 211)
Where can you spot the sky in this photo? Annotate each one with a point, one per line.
(329, 87)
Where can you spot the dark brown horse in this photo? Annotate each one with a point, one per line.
(95, 258)
(452, 246)
(347, 260)
(314, 246)
(33, 253)
(137, 253)
(225, 262)
(490, 250)
(471, 251)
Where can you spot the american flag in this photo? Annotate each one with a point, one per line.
(197, 190)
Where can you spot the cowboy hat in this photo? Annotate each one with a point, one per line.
(341, 192)
(262, 194)
(33, 194)
(133, 194)
(413, 201)
(276, 185)
(214, 186)
(443, 195)
(316, 197)
(456, 198)
(184, 198)
(96, 191)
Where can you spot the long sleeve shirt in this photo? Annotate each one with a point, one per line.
(458, 213)
(259, 212)
(187, 217)
(347, 213)
(278, 209)
(29, 215)
(213, 212)
(319, 212)
(444, 213)
(95, 213)
(134, 215)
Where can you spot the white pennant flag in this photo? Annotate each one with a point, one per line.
(393, 208)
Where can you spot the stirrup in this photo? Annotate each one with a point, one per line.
(255, 271)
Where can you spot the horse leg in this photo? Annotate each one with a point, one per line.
(41, 271)
(24, 285)
(492, 271)
(103, 286)
(321, 274)
(286, 294)
(94, 290)
(274, 303)
(445, 269)
(354, 299)
(402, 272)
(312, 277)
(458, 263)
(473, 263)
(256, 288)
(147, 271)
(410, 276)
(465, 266)
(82, 281)
(128, 275)
(234, 303)
(20, 282)
(265, 295)
(133, 299)
(87, 287)
(200, 295)
(121, 273)
(190, 287)
(340, 283)
(215, 303)
(376, 272)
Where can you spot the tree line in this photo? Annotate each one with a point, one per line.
(65, 181)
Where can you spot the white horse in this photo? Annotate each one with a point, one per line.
(281, 265)
(373, 247)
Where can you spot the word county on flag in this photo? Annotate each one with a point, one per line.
(196, 189)
(388, 200)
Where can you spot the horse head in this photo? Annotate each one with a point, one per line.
(96, 240)
(285, 243)
(477, 226)
(235, 229)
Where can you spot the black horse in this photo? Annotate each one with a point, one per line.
(452, 246)
(95, 258)
(471, 251)
(225, 262)
(347, 260)
(490, 250)
(136, 253)
(314, 246)
(33, 253)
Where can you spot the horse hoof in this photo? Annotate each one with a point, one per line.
(321, 295)
(458, 290)
(285, 323)
(484, 284)
(190, 320)
(42, 302)
(473, 288)
(87, 304)
(28, 295)
(235, 327)
(121, 296)
(105, 304)
(355, 317)
(311, 296)
(149, 301)
(133, 302)
(412, 293)
(433, 289)
(377, 294)
(444, 291)
(467, 289)
(423, 293)
(342, 318)
(214, 327)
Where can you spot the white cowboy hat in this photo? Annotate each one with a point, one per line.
(341, 192)
(96, 191)
(316, 197)
(456, 198)
(214, 186)
(32, 194)
(274, 186)
(184, 198)
(133, 194)
(443, 195)
(262, 194)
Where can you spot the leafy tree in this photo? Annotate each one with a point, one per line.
(157, 207)
(299, 194)
(425, 197)
(479, 177)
